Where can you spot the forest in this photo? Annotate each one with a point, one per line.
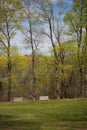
(60, 71)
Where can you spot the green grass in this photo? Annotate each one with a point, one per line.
(47, 115)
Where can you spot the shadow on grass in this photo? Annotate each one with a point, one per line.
(68, 117)
(47, 121)
(8, 122)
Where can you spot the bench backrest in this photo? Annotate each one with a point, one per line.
(42, 98)
(18, 99)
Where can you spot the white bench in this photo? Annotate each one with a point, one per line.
(18, 99)
(43, 98)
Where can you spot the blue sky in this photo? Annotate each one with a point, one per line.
(19, 38)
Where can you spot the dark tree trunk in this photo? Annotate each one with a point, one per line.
(33, 59)
(9, 63)
(80, 61)
(85, 65)
(58, 87)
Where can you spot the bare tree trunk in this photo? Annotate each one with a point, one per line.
(81, 82)
(58, 87)
(85, 66)
(80, 63)
(33, 59)
(9, 64)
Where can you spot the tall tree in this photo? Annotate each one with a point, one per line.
(9, 11)
(52, 15)
(76, 19)
(85, 48)
(32, 34)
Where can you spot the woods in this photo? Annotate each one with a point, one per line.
(62, 72)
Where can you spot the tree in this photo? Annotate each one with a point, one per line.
(9, 11)
(32, 35)
(85, 48)
(52, 20)
(76, 19)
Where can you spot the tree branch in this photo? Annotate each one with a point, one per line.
(3, 43)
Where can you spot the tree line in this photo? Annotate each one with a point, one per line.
(62, 73)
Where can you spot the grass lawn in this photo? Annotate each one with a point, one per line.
(48, 115)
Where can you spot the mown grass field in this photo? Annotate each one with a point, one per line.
(48, 115)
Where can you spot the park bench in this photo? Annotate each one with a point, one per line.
(18, 99)
(43, 98)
